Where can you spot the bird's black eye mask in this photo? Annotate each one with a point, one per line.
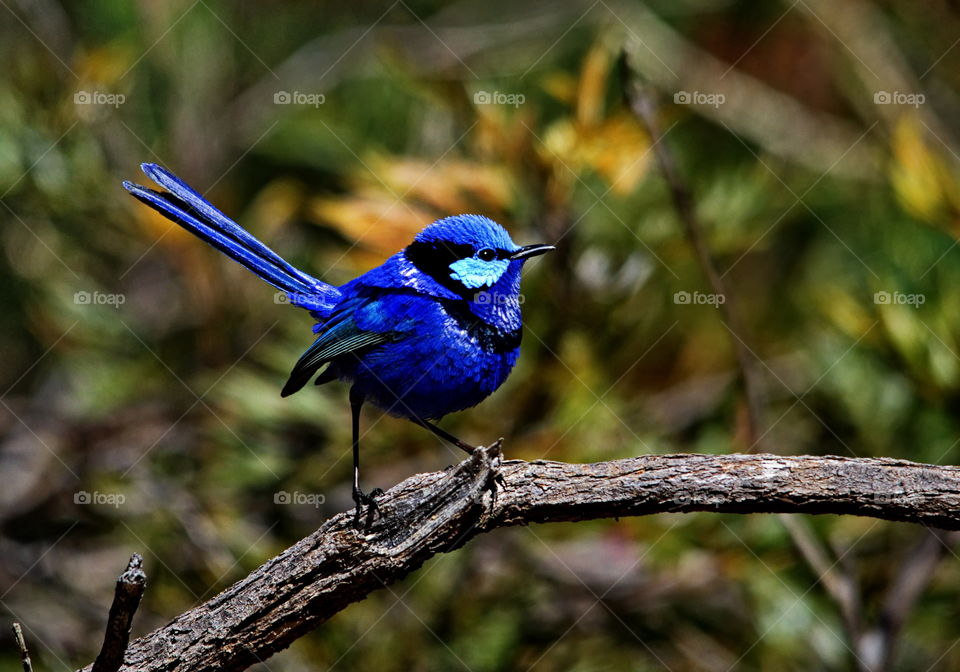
(435, 257)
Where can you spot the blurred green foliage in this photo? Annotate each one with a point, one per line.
(827, 221)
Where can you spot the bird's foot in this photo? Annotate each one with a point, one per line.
(363, 499)
(489, 459)
(495, 450)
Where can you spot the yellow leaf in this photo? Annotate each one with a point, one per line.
(592, 86)
(562, 86)
(918, 175)
(451, 187)
(616, 149)
(379, 225)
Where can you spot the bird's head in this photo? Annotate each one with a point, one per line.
(468, 253)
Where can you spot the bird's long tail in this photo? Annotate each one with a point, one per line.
(182, 204)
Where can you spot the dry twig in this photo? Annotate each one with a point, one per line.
(126, 599)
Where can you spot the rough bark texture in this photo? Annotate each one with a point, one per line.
(126, 599)
(433, 513)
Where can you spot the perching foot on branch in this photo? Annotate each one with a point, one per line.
(370, 501)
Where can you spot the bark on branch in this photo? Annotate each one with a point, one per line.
(432, 513)
(126, 599)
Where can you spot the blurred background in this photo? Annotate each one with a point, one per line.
(139, 392)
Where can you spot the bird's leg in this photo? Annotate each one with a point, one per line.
(473, 451)
(356, 402)
(445, 435)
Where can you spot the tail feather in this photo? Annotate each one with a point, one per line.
(208, 212)
(190, 210)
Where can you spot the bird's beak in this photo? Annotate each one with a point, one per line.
(528, 251)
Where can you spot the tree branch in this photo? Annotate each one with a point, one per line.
(432, 513)
(21, 643)
(126, 599)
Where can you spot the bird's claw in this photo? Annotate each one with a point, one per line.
(361, 498)
(493, 455)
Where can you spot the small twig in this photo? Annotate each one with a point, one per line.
(913, 576)
(22, 646)
(818, 559)
(126, 599)
(642, 102)
(840, 585)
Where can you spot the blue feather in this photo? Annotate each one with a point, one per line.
(190, 210)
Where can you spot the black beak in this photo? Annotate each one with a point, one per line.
(528, 251)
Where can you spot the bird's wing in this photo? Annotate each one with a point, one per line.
(341, 335)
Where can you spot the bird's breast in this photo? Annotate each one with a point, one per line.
(490, 337)
(446, 359)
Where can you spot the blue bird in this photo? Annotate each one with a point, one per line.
(434, 330)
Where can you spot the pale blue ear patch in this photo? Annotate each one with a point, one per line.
(474, 273)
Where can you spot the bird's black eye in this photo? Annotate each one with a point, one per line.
(486, 254)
